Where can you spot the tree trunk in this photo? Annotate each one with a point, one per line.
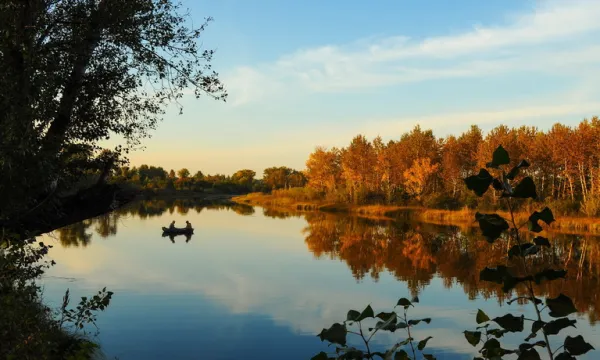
(85, 49)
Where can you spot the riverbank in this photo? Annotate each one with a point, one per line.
(464, 217)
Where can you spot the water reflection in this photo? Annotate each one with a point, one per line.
(417, 252)
(414, 252)
(265, 275)
(105, 226)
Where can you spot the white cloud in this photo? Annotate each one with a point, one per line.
(555, 36)
(491, 117)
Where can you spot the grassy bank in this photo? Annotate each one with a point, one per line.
(463, 217)
(466, 217)
(286, 203)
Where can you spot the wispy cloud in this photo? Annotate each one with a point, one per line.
(554, 36)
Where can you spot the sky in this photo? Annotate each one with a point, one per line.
(309, 73)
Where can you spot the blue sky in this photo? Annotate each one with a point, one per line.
(306, 73)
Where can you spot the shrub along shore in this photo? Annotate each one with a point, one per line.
(460, 217)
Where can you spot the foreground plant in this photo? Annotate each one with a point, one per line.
(406, 349)
(30, 329)
(518, 272)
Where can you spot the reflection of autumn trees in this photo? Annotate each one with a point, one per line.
(417, 252)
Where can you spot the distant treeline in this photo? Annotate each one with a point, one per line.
(242, 181)
(420, 168)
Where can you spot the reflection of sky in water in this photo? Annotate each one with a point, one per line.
(244, 286)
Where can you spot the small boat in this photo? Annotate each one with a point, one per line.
(177, 231)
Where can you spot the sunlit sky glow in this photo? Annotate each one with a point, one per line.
(306, 73)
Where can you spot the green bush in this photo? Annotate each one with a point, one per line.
(30, 329)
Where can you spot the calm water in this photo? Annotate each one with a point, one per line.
(253, 283)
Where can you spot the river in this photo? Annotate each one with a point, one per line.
(254, 283)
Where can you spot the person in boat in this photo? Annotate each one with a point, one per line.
(188, 225)
(172, 226)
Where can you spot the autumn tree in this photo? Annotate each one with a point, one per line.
(358, 165)
(323, 169)
(416, 178)
(296, 179)
(244, 177)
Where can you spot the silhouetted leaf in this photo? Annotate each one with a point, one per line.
(564, 356)
(404, 302)
(529, 354)
(515, 170)
(351, 354)
(389, 324)
(510, 322)
(555, 326)
(497, 333)
(525, 189)
(549, 274)
(522, 250)
(526, 346)
(416, 321)
(352, 315)
(491, 225)
(481, 317)
(367, 313)
(429, 356)
(492, 348)
(577, 346)
(401, 355)
(535, 327)
(501, 275)
(336, 334)
(473, 337)
(534, 226)
(560, 306)
(479, 183)
(545, 215)
(320, 356)
(510, 282)
(401, 325)
(500, 157)
(497, 185)
(385, 315)
(494, 275)
(423, 343)
(541, 241)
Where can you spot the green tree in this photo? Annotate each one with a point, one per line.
(183, 173)
(277, 177)
(75, 72)
(244, 177)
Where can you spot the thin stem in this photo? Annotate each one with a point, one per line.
(560, 347)
(529, 283)
(369, 356)
(409, 336)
